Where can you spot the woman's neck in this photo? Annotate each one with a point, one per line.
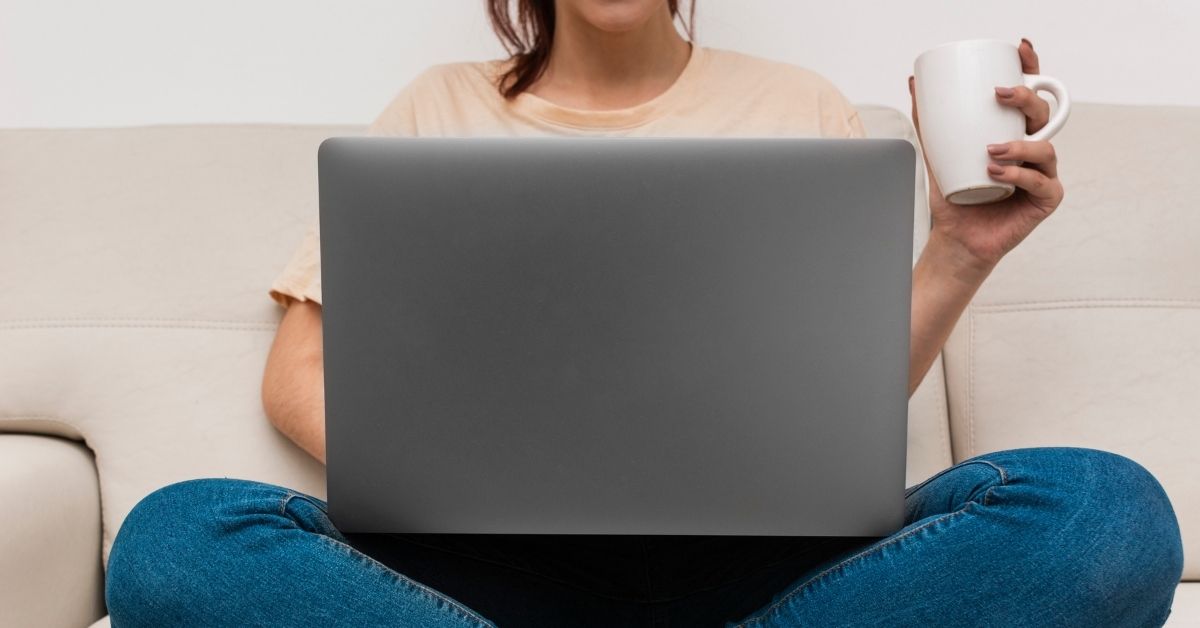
(594, 69)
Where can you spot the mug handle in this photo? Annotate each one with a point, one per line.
(1050, 84)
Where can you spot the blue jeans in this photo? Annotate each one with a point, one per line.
(1028, 537)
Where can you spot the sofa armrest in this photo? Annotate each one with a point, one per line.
(50, 571)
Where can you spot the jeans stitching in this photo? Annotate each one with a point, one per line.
(326, 528)
(455, 607)
(288, 498)
(462, 611)
(1003, 476)
(987, 495)
(927, 480)
(758, 619)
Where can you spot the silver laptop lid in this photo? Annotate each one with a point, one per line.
(619, 336)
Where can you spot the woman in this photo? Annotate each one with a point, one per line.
(1024, 537)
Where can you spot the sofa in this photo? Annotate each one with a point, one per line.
(135, 321)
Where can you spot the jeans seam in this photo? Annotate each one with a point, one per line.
(327, 530)
(927, 480)
(455, 607)
(462, 611)
(759, 618)
(316, 503)
(1003, 475)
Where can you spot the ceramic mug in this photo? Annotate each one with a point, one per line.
(959, 114)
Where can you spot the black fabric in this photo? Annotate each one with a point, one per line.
(605, 580)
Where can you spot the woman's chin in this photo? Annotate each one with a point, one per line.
(617, 16)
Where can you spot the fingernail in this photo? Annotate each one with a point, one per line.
(1028, 42)
(1005, 92)
(995, 169)
(996, 149)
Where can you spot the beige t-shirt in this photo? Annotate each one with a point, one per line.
(718, 94)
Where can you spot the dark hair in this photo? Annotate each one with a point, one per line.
(529, 34)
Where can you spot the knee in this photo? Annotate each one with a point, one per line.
(1138, 504)
(1124, 523)
(165, 537)
(1123, 493)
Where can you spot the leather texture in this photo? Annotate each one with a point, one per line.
(50, 571)
(1088, 334)
(134, 265)
(1185, 612)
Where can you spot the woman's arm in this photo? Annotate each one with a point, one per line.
(944, 280)
(966, 242)
(293, 388)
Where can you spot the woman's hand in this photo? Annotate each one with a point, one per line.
(967, 241)
(977, 236)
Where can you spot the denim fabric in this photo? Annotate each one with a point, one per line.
(1028, 537)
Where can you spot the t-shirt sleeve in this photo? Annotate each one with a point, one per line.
(399, 118)
(300, 279)
(839, 117)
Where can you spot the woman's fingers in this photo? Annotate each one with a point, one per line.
(1036, 110)
(1029, 57)
(912, 92)
(1038, 175)
(1043, 191)
(1039, 155)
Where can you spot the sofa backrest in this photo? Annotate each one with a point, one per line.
(134, 265)
(1088, 334)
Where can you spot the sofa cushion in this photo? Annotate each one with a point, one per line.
(1185, 612)
(135, 265)
(50, 571)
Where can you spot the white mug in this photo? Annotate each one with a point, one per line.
(959, 114)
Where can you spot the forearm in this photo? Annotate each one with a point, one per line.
(944, 280)
(293, 390)
(300, 413)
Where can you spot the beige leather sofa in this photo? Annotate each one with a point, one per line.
(134, 323)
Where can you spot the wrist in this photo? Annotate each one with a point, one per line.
(948, 257)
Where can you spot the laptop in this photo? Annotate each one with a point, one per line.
(616, 336)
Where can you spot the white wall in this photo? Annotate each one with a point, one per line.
(124, 62)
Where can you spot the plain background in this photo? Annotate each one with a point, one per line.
(131, 62)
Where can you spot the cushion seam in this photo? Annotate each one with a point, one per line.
(136, 323)
(1089, 303)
